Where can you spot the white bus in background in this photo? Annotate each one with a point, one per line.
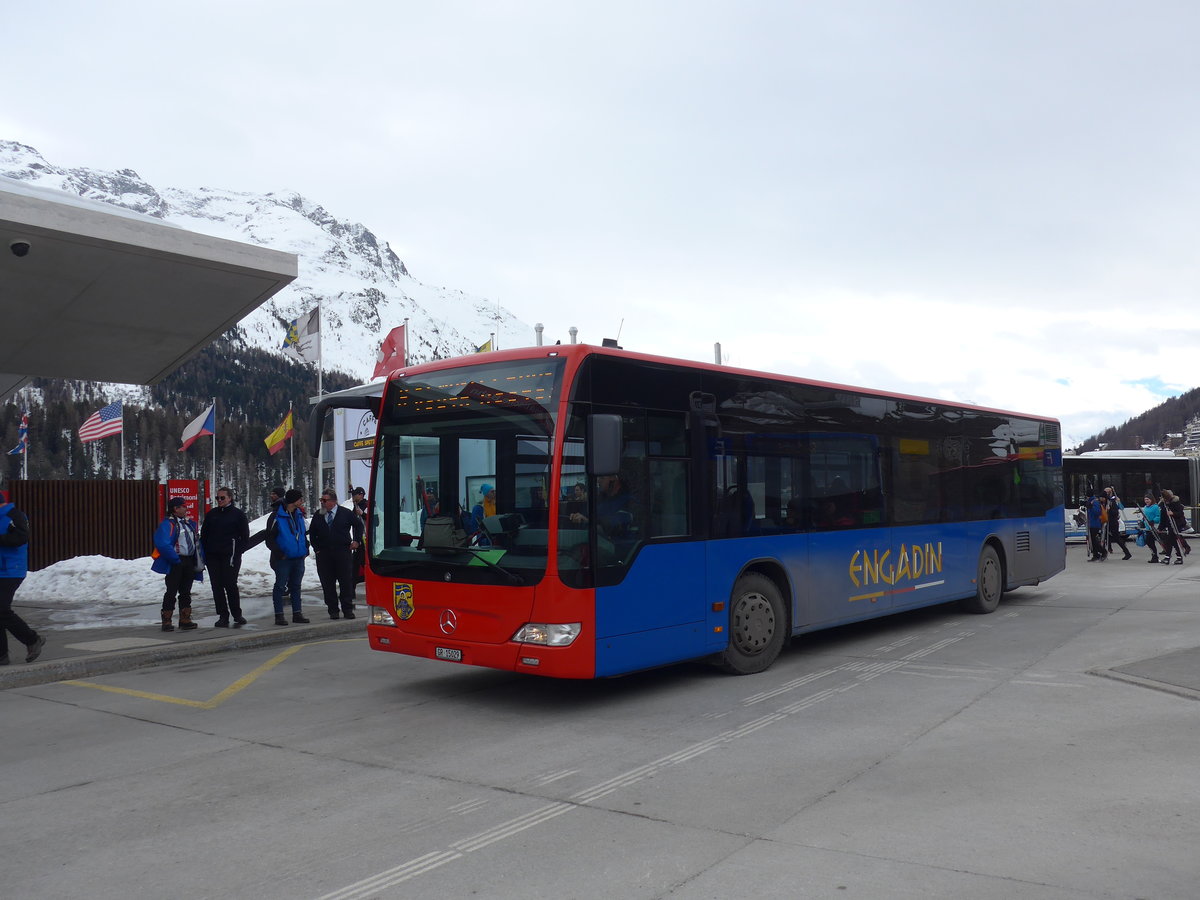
(1134, 473)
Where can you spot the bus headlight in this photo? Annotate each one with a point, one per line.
(380, 616)
(548, 635)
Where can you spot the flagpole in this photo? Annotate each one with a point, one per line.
(213, 486)
(320, 391)
(292, 446)
(122, 473)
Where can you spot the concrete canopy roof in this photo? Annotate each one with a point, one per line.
(106, 294)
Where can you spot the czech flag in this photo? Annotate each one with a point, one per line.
(206, 423)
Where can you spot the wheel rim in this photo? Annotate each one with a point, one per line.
(753, 623)
(989, 579)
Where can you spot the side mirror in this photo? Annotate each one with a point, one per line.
(316, 422)
(605, 434)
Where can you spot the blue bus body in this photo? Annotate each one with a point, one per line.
(832, 579)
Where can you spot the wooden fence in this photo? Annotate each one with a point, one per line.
(88, 518)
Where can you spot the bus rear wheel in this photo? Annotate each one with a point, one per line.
(758, 625)
(989, 584)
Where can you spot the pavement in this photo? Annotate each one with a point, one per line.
(1177, 672)
(115, 647)
(119, 646)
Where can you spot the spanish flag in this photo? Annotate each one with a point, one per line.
(277, 438)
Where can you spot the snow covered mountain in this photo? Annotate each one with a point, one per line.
(365, 290)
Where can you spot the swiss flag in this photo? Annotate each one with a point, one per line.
(391, 353)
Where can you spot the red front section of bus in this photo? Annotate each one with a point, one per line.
(474, 625)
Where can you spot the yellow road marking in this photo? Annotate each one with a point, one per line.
(241, 684)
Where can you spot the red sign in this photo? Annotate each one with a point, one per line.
(189, 490)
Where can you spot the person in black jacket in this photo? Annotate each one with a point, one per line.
(1173, 522)
(1116, 527)
(225, 536)
(336, 534)
(273, 502)
(359, 498)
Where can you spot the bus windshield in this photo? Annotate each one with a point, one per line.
(463, 473)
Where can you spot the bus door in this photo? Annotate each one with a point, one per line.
(649, 567)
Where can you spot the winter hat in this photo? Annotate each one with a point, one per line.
(278, 490)
(176, 501)
(485, 489)
(357, 491)
(292, 496)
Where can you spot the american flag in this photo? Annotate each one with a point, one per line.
(104, 423)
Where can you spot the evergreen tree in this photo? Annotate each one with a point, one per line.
(252, 387)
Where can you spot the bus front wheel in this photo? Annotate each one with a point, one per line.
(758, 625)
(989, 583)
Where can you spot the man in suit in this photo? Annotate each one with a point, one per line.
(336, 534)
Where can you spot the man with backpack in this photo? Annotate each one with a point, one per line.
(288, 542)
(14, 566)
(179, 561)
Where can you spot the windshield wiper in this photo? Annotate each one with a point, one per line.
(397, 567)
(513, 577)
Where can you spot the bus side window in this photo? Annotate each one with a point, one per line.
(846, 490)
(668, 506)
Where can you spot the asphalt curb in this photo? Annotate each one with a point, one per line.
(27, 674)
(1177, 672)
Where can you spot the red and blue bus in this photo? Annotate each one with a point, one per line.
(642, 511)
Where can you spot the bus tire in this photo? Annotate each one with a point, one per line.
(758, 625)
(989, 583)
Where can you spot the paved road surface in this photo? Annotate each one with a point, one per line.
(1045, 751)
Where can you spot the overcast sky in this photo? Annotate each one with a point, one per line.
(988, 202)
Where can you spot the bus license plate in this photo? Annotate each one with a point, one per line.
(447, 653)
